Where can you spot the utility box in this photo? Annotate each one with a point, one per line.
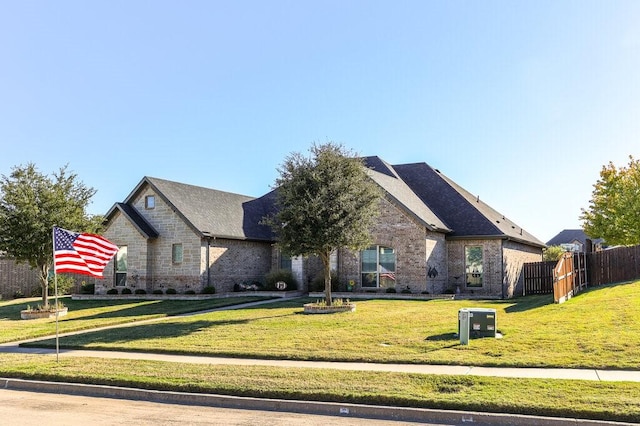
(482, 322)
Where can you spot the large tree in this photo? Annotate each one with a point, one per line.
(31, 204)
(326, 201)
(614, 210)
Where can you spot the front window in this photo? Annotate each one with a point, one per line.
(150, 202)
(176, 253)
(473, 265)
(121, 266)
(285, 262)
(378, 265)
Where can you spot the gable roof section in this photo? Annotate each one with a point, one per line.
(466, 214)
(396, 189)
(144, 227)
(210, 212)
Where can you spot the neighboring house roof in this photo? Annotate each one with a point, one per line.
(457, 209)
(210, 212)
(570, 236)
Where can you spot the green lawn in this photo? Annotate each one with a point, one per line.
(596, 329)
(575, 399)
(88, 314)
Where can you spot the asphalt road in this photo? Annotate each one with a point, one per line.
(26, 408)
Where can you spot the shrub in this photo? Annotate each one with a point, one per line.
(87, 288)
(140, 291)
(318, 283)
(391, 290)
(65, 284)
(157, 291)
(18, 294)
(189, 292)
(406, 290)
(112, 291)
(280, 275)
(209, 290)
(126, 290)
(171, 291)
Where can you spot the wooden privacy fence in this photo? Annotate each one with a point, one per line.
(596, 268)
(614, 265)
(538, 277)
(569, 276)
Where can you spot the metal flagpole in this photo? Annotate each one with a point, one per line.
(55, 280)
(55, 292)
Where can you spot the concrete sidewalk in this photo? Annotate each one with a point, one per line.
(538, 373)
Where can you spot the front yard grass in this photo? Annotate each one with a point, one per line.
(89, 314)
(596, 329)
(617, 401)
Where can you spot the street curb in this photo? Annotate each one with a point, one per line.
(294, 406)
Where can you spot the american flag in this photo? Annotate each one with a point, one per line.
(86, 254)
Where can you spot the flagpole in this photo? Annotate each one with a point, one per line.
(55, 293)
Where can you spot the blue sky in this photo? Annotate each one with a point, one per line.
(520, 102)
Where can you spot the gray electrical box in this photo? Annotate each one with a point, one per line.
(479, 322)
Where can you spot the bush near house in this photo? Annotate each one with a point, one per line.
(317, 285)
(209, 290)
(280, 275)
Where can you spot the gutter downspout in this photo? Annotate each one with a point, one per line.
(207, 237)
(502, 269)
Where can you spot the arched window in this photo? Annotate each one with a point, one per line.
(378, 266)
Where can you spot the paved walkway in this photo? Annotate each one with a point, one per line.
(538, 373)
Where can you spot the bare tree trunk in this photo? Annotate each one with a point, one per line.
(326, 257)
(44, 284)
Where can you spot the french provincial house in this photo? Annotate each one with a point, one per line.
(431, 236)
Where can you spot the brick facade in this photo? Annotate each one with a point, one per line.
(516, 255)
(17, 279)
(234, 262)
(502, 266)
(150, 265)
(426, 261)
(416, 250)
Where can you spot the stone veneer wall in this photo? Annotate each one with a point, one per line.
(149, 263)
(139, 275)
(515, 255)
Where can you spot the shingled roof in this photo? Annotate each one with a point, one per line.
(214, 213)
(459, 211)
(434, 200)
